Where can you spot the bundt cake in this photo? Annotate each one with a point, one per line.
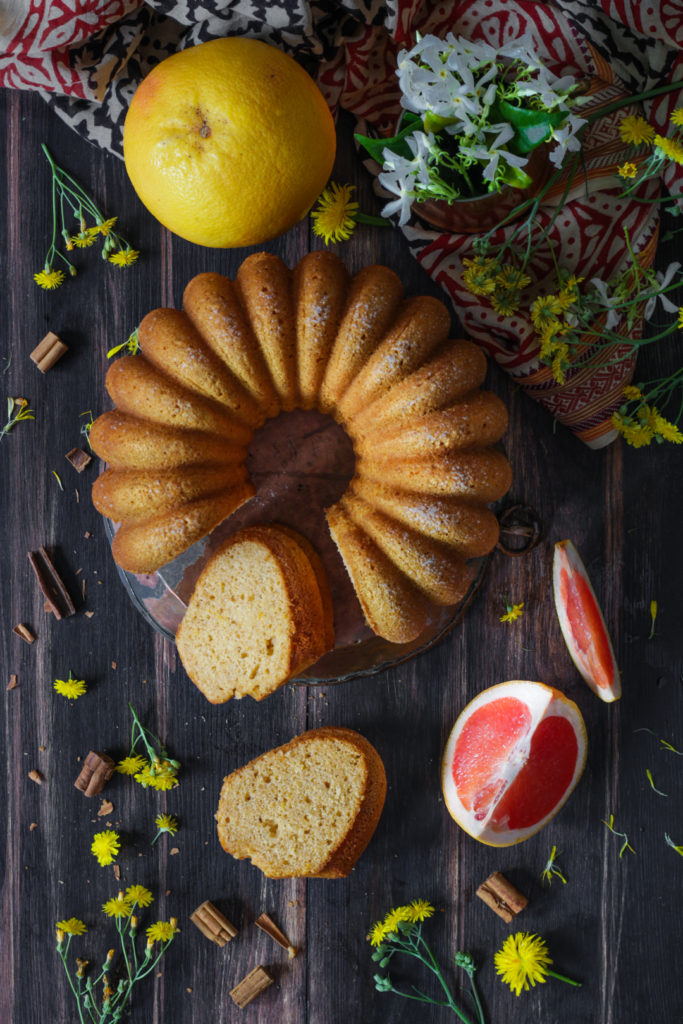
(307, 809)
(381, 365)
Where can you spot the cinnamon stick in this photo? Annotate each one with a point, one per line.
(251, 986)
(267, 925)
(51, 584)
(24, 632)
(96, 772)
(213, 924)
(78, 459)
(502, 897)
(50, 349)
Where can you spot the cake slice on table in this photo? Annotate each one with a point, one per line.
(258, 615)
(307, 809)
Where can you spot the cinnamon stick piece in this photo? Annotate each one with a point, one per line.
(266, 924)
(78, 459)
(50, 349)
(51, 584)
(96, 772)
(213, 924)
(502, 897)
(251, 986)
(24, 632)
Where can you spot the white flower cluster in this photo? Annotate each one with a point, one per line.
(452, 85)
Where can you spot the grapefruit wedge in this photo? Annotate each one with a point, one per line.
(512, 759)
(582, 624)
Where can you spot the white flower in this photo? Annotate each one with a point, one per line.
(663, 280)
(488, 150)
(398, 177)
(551, 89)
(607, 301)
(422, 147)
(566, 138)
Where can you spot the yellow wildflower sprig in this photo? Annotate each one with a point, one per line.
(98, 998)
(670, 842)
(70, 688)
(165, 823)
(664, 744)
(652, 783)
(401, 932)
(639, 420)
(663, 150)
(158, 770)
(523, 960)
(336, 215)
(512, 611)
(131, 345)
(71, 201)
(622, 835)
(17, 412)
(86, 427)
(552, 868)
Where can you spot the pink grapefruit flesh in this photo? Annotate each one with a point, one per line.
(512, 759)
(582, 623)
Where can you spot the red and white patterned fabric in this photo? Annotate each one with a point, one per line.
(87, 57)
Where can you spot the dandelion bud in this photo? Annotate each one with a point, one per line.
(133, 924)
(174, 923)
(72, 270)
(60, 939)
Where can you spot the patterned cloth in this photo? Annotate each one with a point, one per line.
(87, 57)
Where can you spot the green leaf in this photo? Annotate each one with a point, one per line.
(516, 177)
(434, 123)
(532, 127)
(397, 144)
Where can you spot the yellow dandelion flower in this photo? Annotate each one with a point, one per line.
(393, 918)
(105, 227)
(631, 392)
(544, 311)
(117, 906)
(420, 910)
(166, 823)
(559, 362)
(514, 612)
(105, 847)
(667, 431)
(73, 926)
(84, 240)
(70, 688)
(670, 147)
(334, 219)
(161, 931)
(124, 257)
(49, 279)
(680, 317)
(636, 130)
(138, 894)
(377, 933)
(479, 277)
(506, 303)
(523, 960)
(132, 765)
(510, 277)
(627, 170)
(160, 774)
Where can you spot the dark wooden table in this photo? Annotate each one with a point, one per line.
(615, 925)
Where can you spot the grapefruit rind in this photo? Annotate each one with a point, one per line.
(542, 702)
(567, 559)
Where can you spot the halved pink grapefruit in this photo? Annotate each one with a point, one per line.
(513, 757)
(582, 623)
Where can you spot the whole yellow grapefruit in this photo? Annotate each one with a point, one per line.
(228, 143)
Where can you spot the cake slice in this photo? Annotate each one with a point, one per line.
(255, 618)
(307, 809)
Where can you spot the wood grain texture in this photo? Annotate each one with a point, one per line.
(615, 925)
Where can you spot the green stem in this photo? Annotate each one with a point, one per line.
(368, 218)
(62, 956)
(562, 977)
(477, 1001)
(434, 967)
(627, 101)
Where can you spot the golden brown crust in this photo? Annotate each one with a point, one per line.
(476, 421)
(138, 388)
(132, 495)
(372, 302)
(321, 578)
(320, 284)
(129, 443)
(171, 343)
(212, 304)
(264, 286)
(480, 476)
(439, 572)
(457, 368)
(393, 607)
(343, 858)
(144, 546)
(422, 324)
